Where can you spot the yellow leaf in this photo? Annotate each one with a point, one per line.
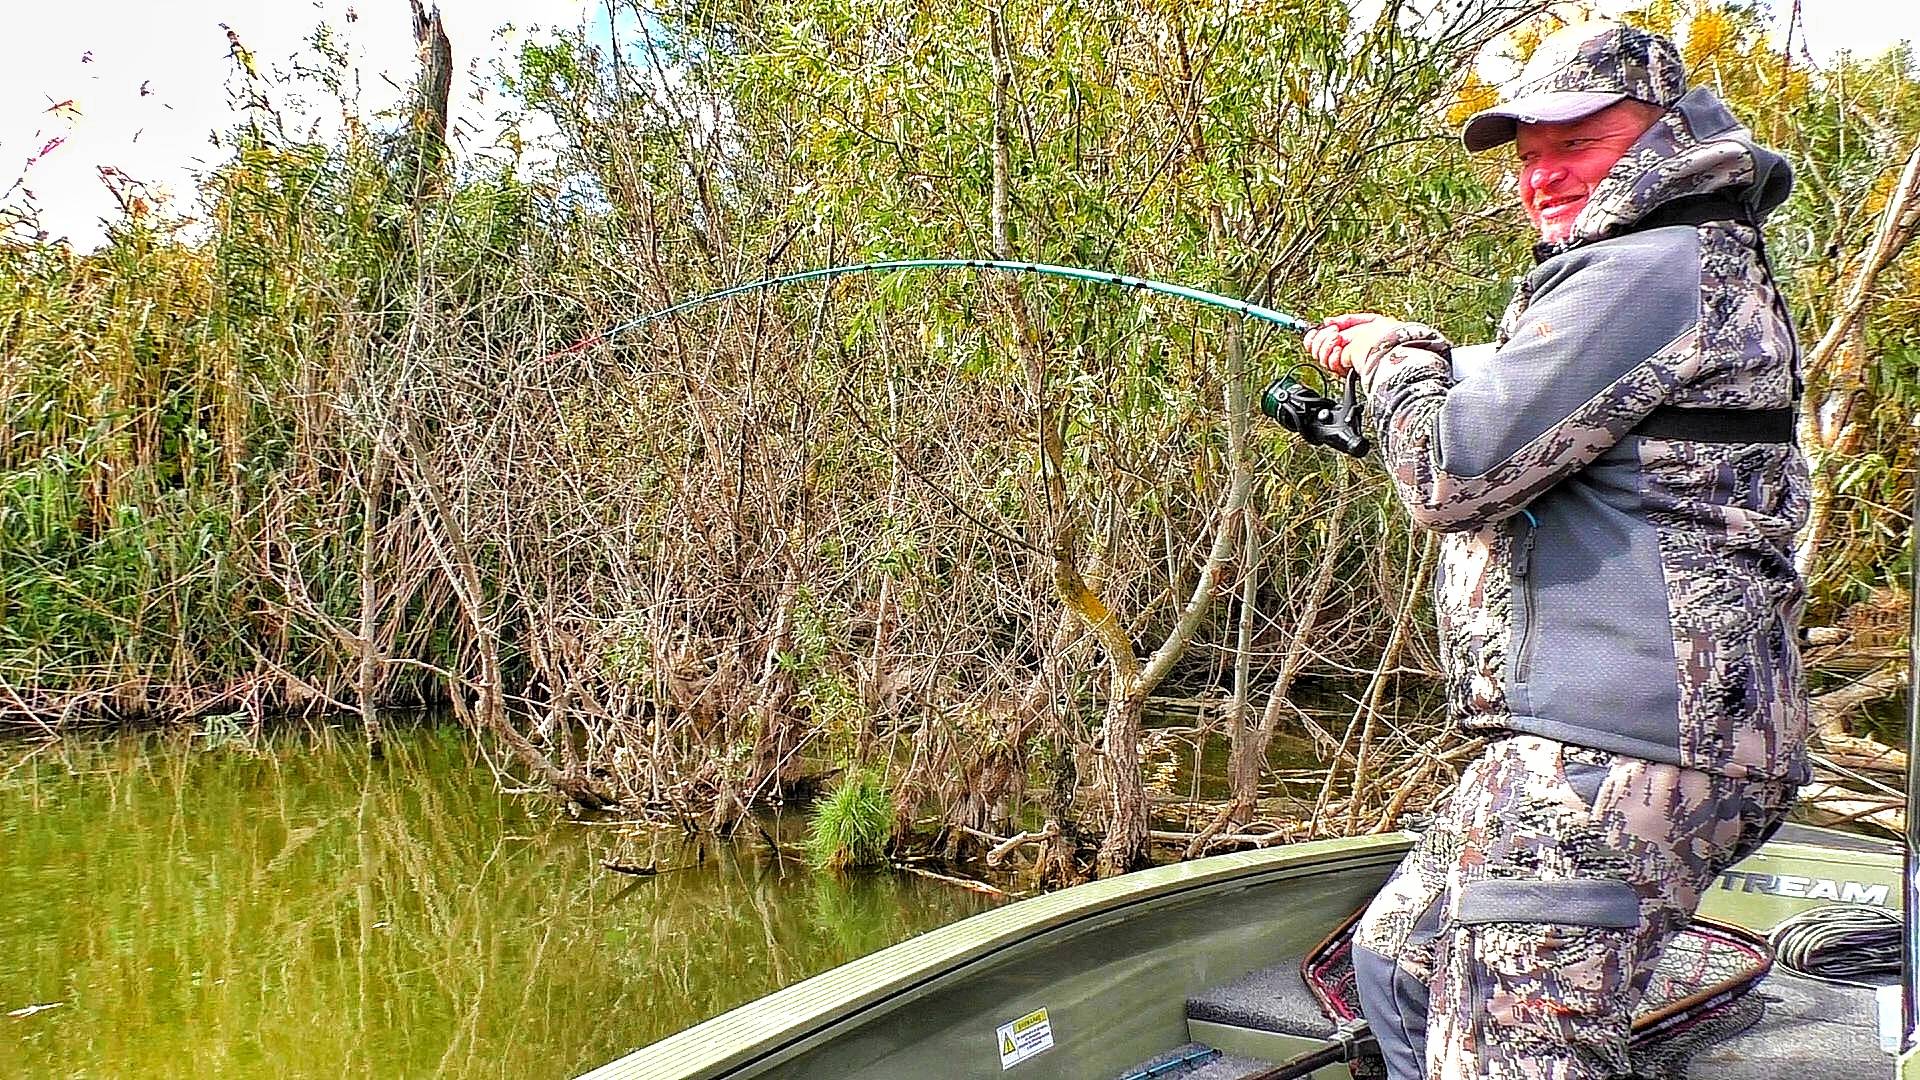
(1709, 33)
(1475, 94)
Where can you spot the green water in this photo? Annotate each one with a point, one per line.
(292, 909)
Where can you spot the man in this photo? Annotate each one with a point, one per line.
(1618, 608)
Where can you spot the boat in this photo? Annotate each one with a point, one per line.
(1194, 969)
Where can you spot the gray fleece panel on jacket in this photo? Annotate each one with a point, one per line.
(1593, 575)
(1591, 320)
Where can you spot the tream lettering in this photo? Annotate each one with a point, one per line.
(1808, 888)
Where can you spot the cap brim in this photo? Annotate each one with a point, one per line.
(1492, 127)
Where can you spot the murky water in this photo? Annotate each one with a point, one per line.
(292, 909)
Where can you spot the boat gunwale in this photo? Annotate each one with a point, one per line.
(762, 1031)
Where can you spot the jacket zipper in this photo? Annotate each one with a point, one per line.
(1523, 570)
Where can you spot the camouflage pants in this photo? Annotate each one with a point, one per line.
(1517, 936)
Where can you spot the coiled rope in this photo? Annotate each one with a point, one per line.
(1840, 943)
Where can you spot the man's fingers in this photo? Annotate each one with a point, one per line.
(1329, 344)
(1322, 343)
(1325, 342)
(1334, 349)
(1352, 319)
(1336, 354)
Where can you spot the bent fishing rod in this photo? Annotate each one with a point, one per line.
(1309, 412)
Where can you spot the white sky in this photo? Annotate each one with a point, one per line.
(102, 54)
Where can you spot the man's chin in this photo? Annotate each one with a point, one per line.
(1553, 232)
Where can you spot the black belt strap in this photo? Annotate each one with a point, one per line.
(1718, 425)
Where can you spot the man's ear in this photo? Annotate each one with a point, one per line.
(1645, 113)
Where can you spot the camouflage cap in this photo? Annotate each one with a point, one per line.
(1576, 72)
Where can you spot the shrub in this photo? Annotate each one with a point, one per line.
(852, 824)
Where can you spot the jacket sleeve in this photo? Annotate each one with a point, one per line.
(1608, 335)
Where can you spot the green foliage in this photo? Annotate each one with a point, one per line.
(852, 825)
(628, 656)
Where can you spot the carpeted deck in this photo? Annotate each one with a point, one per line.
(1272, 999)
(1807, 1030)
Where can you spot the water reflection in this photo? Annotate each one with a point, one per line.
(291, 908)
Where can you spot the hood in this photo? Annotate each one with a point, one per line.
(1696, 147)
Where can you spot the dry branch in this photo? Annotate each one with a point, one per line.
(1836, 368)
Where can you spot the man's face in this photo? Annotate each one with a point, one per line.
(1561, 163)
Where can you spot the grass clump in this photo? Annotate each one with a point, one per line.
(852, 824)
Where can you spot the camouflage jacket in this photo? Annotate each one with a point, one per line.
(1600, 587)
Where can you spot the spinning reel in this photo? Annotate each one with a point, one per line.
(1318, 419)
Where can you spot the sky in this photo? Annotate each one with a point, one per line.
(138, 87)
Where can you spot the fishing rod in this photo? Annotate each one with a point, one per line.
(1309, 412)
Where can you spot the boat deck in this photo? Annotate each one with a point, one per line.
(1807, 1029)
(1794, 1027)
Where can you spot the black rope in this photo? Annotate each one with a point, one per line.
(1840, 943)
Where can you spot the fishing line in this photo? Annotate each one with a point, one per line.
(1316, 416)
(1293, 323)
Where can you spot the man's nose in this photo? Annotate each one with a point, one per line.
(1540, 177)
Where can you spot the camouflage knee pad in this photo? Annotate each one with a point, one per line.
(1532, 912)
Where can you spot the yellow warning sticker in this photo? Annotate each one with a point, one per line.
(1023, 1038)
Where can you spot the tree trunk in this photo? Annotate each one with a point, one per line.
(431, 111)
(1376, 689)
(450, 548)
(367, 682)
(1125, 845)
(1247, 755)
(1241, 762)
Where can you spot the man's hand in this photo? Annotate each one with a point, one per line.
(1342, 343)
